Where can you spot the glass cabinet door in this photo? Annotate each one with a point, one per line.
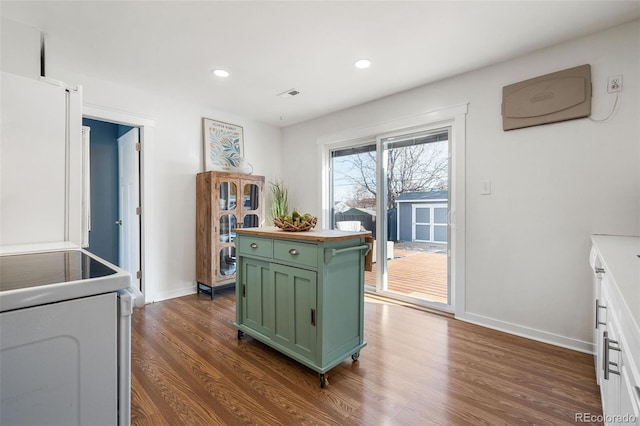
(250, 221)
(251, 193)
(227, 228)
(227, 261)
(228, 195)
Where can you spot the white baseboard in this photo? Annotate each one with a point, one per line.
(529, 333)
(172, 294)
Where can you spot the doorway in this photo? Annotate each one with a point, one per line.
(413, 174)
(114, 232)
(397, 187)
(369, 137)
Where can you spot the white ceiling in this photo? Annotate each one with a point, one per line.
(270, 47)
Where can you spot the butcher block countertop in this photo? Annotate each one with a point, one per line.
(319, 235)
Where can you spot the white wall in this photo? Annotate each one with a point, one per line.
(527, 243)
(171, 164)
(20, 47)
(174, 159)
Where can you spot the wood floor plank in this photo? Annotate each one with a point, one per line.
(189, 368)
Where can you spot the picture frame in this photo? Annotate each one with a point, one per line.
(223, 145)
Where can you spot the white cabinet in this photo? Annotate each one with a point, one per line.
(617, 335)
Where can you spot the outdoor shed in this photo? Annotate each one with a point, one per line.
(422, 216)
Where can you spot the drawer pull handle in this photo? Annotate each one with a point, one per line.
(253, 245)
(294, 252)
(598, 307)
(313, 317)
(609, 344)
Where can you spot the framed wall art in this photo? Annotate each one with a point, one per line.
(223, 145)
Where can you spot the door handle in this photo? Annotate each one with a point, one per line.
(118, 222)
(451, 217)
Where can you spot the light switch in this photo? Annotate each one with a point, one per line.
(485, 187)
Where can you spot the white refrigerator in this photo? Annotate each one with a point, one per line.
(65, 314)
(42, 172)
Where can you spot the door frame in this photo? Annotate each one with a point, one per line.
(453, 117)
(129, 222)
(146, 127)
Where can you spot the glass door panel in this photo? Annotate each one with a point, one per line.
(227, 260)
(414, 177)
(227, 227)
(398, 188)
(421, 224)
(228, 193)
(353, 192)
(440, 224)
(251, 194)
(250, 221)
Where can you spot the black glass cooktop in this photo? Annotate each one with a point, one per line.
(38, 269)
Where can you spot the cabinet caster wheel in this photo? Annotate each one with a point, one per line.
(323, 380)
(355, 356)
(240, 334)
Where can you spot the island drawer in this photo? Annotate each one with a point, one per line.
(296, 252)
(255, 246)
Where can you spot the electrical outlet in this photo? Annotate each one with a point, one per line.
(614, 84)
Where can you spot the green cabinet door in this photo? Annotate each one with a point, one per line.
(257, 294)
(294, 302)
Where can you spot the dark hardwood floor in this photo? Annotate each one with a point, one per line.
(188, 368)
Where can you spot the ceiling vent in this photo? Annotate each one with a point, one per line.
(288, 93)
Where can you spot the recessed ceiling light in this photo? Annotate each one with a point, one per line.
(220, 72)
(362, 63)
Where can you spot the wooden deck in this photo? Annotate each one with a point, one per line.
(417, 274)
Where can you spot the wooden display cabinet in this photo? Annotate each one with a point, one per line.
(224, 201)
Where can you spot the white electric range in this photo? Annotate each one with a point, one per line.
(65, 337)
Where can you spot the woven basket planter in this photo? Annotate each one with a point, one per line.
(298, 226)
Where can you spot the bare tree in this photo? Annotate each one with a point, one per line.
(409, 169)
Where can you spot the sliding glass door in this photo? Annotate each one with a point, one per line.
(353, 192)
(414, 177)
(397, 187)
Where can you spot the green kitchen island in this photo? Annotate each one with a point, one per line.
(302, 293)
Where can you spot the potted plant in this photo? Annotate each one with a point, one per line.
(280, 199)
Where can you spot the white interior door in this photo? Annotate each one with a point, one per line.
(129, 223)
